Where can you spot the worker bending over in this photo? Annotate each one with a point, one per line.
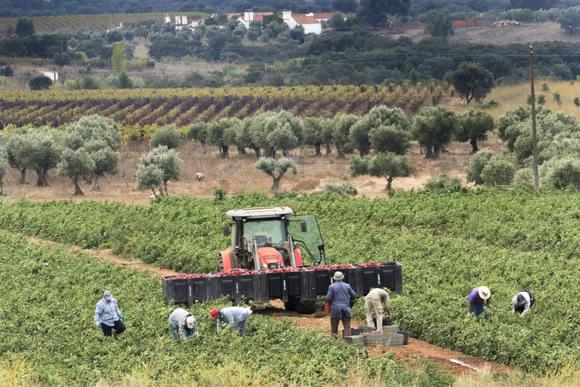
(522, 302)
(477, 300)
(234, 317)
(108, 316)
(182, 325)
(377, 302)
(338, 296)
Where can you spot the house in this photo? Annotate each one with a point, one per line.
(182, 21)
(313, 22)
(52, 75)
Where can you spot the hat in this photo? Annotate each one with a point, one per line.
(189, 322)
(107, 295)
(214, 312)
(338, 276)
(484, 292)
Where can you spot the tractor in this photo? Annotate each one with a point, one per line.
(272, 238)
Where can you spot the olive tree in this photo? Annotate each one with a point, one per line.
(100, 137)
(387, 165)
(166, 135)
(149, 177)
(167, 160)
(276, 169)
(476, 166)
(215, 135)
(472, 81)
(75, 164)
(238, 134)
(434, 128)
(44, 153)
(19, 149)
(389, 139)
(340, 136)
(562, 173)
(473, 127)
(313, 133)
(499, 170)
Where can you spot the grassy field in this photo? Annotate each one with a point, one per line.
(93, 22)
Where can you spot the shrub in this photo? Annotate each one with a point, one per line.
(168, 136)
(476, 166)
(562, 173)
(344, 189)
(524, 178)
(499, 170)
(444, 184)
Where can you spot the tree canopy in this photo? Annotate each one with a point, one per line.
(472, 81)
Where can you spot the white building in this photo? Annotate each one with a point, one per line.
(182, 21)
(53, 75)
(313, 23)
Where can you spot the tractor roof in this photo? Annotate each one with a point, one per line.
(260, 213)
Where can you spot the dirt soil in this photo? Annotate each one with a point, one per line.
(238, 174)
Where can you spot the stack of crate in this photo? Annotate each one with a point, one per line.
(391, 336)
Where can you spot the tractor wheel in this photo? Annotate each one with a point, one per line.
(291, 304)
(306, 306)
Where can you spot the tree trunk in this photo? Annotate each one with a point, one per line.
(154, 193)
(272, 153)
(40, 178)
(165, 193)
(97, 186)
(22, 175)
(474, 147)
(78, 190)
(328, 149)
(1, 187)
(436, 151)
(225, 151)
(389, 187)
(428, 152)
(317, 150)
(241, 150)
(257, 151)
(276, 183)
(285, 153)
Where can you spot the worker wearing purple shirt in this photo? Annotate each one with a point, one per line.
(477, 300)
(339, 295)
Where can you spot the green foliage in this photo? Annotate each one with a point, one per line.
(44, 153)
(524, 178)
(24, 27)
(40, 83)
(434, 128)
(476, 165)
(340, 136)
(389, 139)
(498, 171)
(472, 81)
(276, 169)
(387, 165)
(3, 168)
(444, 184)
(570, 21)
(74, 164)
(163, 159)
(149, 177)
(438, 23)
(473, 127)
(375, 12)
(343, 189)
(145, 354)
(168, 136)
(562, 173)
(442, 240)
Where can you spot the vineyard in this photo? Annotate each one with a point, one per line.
(101, 22)
(447, 243)
(183, 107)
(49, 336)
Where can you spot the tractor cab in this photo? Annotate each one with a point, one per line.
(271, 238)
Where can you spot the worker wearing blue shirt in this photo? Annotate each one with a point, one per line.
(339, 296)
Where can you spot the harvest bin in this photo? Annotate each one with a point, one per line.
(305, 283)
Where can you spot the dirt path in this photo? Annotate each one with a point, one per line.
(450, 361)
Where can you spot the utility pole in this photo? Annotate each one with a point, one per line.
(534, 134)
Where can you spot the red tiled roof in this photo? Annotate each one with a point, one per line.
(323, 15)
(301, 18)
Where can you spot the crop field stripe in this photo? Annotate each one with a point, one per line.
(433, 237)
(47, 307)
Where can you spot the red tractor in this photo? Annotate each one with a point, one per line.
(272, 238)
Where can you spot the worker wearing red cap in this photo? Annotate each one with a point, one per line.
(233, 317)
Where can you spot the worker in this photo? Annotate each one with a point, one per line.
(233, 317)
(182, 325)
(338, 296)
(477, 300)
(522, 302)
(377, 302)
(108, 316)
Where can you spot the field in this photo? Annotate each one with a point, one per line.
(49, 338)
(185, 106)
(101, 22)
(447, 243)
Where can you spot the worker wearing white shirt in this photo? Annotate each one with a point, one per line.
(522, 302)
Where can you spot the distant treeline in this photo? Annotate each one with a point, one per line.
(79, 7)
